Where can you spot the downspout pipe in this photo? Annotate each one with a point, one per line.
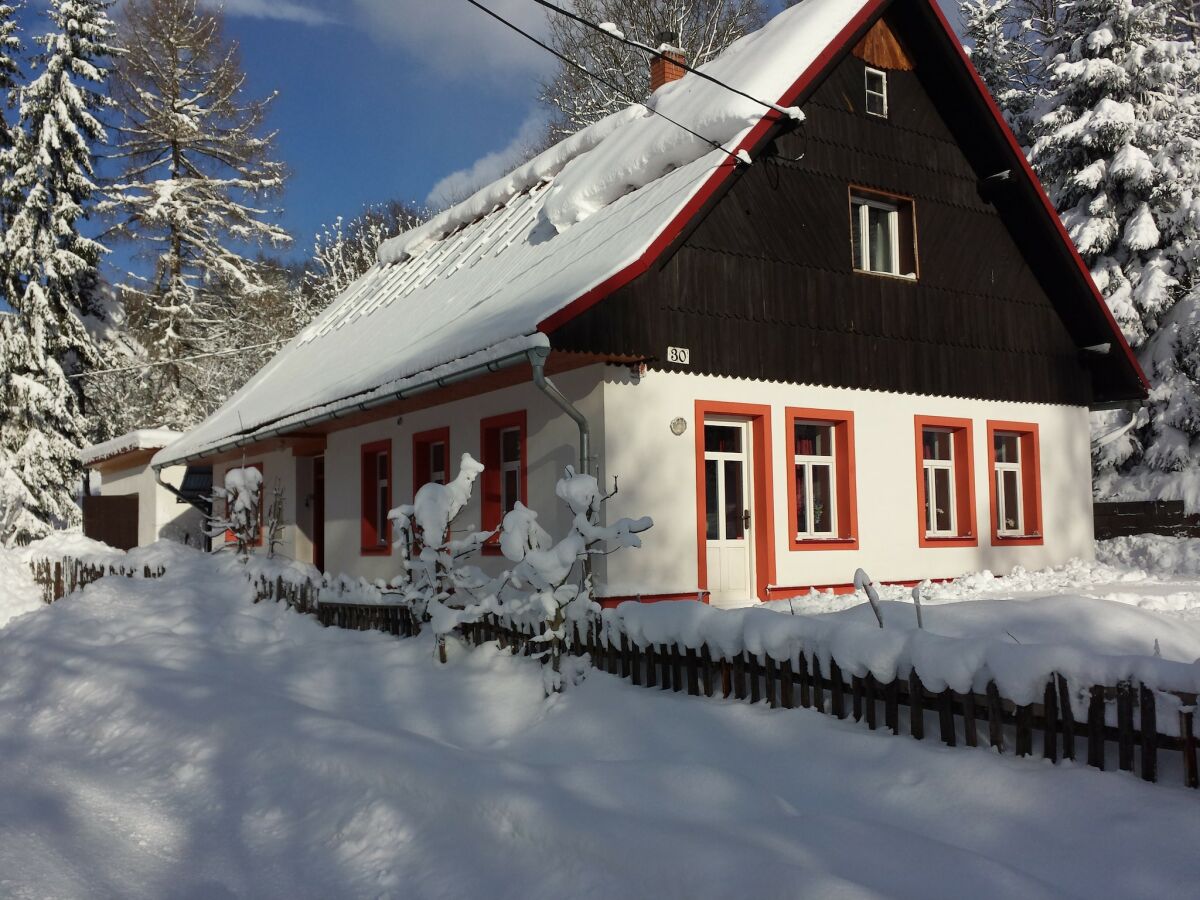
(537, 360)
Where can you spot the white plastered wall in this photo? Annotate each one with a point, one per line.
(658, 474)
(552, 444)
(159, 514)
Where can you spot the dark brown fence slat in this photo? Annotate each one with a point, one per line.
(739, 676)
(995, 710)
(805, 698)
(970, 732)
(869, 701)
(916, 706)
(772, 683)
(856, 697)
(1187, 737)
(1024, 721)
(635, 663)
(693, 672)
(1149, 725)
(1050, 721)
(676, 669)
(1125, 726)
(946, 717)
(1068, 718)
(651, 666)
(891, 705)
(706, 670)
(754, 674)
(787, 696)
(837, 691)
(1095, 728)
(818, 686)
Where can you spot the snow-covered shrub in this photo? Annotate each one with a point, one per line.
(557, 577)
(273, 534)
(436, 579)
(242, 517)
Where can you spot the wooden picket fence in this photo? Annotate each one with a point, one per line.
(1049, 726)
(800, 682)
(59, 577)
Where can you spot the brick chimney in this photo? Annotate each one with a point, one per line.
(666, 68)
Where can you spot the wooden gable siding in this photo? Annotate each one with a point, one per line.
(763, 287)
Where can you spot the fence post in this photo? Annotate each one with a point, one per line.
(1149, 736)
(1095, 726)
(1188, 742)
(1050, 721)
(1068, 718)
(995, 707)
(1125, 726)
(916, 705)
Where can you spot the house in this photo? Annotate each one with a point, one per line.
(132, 508)
(803, 341)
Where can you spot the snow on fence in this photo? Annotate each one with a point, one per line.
(59, 577)
(1018, 698)
(1140, 719)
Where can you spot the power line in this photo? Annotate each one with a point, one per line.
(737, 157)
(171, 362)
(791, 112)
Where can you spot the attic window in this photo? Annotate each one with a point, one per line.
(883, 234)
(876, 85)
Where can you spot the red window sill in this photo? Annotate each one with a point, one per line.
(965, 540)
(1017, 540)
(839, 543)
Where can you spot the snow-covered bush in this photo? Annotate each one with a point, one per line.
(556, 577)
(242, 516)
(436, 579)
(273, 534)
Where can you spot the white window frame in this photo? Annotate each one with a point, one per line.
(806, 530)
(509, 465)
(439, 476)
(860, 203)
(931, 496)
(867, 73)
(1000, 468)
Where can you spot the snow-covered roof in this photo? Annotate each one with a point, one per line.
(474, 285)
(141, 439)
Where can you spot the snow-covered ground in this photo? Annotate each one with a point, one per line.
(168, 738)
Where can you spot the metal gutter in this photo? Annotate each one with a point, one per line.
(504, 362)
(537, 359)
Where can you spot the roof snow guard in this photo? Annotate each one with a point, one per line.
(484, 281)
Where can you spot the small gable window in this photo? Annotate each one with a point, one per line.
(883, 234)
(876, 87)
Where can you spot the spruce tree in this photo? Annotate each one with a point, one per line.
(197, 165)
(1117, 145)
(52, 274)
(1003, 48)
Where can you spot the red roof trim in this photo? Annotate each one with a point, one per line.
(715, 181)
(1031, 176)
(676, 226)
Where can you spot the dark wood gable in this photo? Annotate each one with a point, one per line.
(763, 286)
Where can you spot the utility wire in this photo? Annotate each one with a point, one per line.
(169, 362)
(791, 112)
(737, 157)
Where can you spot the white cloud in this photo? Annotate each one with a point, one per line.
(279, 10)
(461, 184)
(454, 36)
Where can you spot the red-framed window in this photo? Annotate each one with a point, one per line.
(1015, 474)
(502, 441)
(822, 493)
(431, 458)
(375, 475)
(945, 482)
(262, 499)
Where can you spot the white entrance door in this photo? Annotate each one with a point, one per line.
(728, 513)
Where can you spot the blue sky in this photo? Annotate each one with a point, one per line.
(383, 99)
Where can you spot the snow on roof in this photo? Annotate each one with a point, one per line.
(141, 439)
(472, 285)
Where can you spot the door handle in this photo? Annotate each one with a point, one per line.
(746, 518)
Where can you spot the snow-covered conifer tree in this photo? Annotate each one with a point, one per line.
(51, 278)
(1117, 145)
(1003, 48)
(704, 28)
(197, 165)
